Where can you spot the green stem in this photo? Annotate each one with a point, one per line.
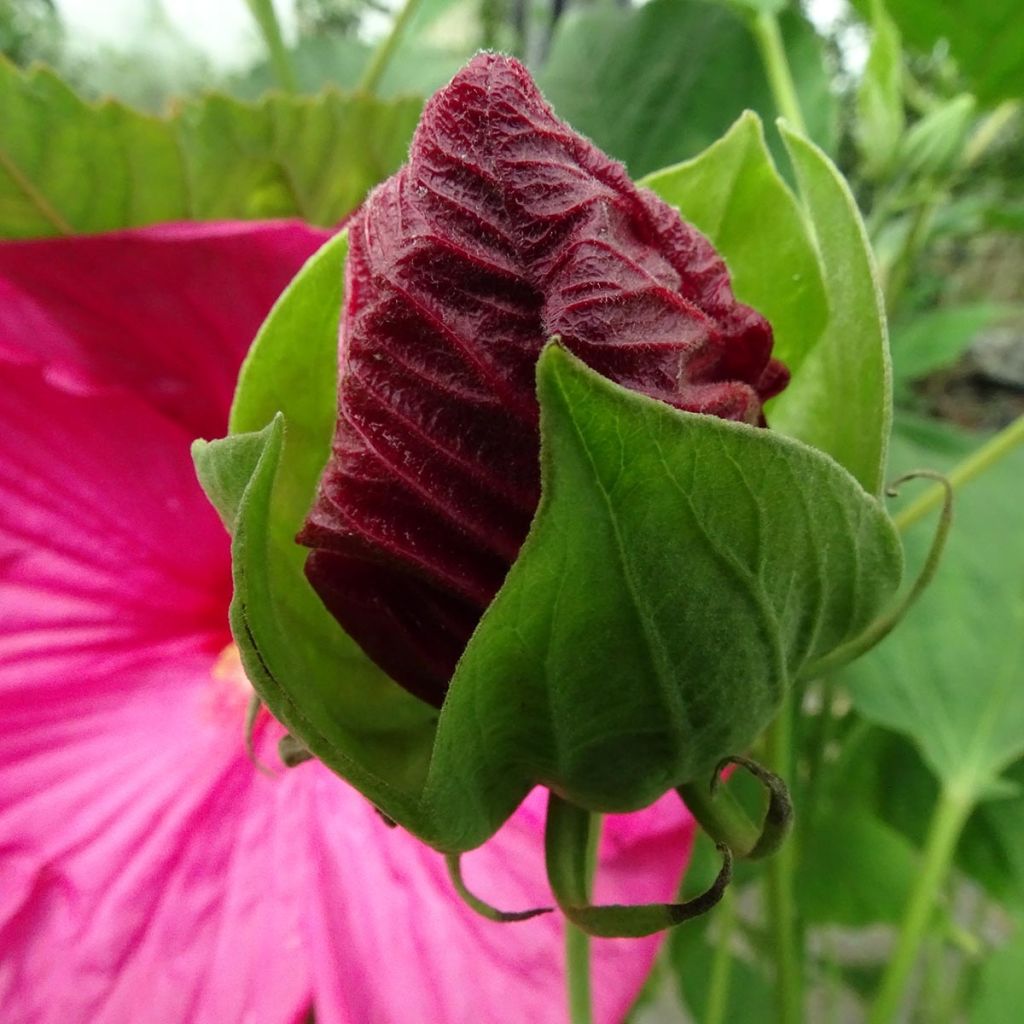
(781, 873)
(280, 59)
(721, 816)
(811, 803)
(721, 965)
(386, 49)
(989, 130)
(975, 464)
(765, 27)
(947, 823)
(577, 941)
(895, 279)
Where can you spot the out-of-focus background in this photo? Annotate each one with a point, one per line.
(297, 108)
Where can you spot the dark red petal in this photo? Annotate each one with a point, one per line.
(504, 229)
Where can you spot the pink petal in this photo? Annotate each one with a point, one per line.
(409, 951)
(150, 873)
(167, 311)
(107, 544)
(147, 871)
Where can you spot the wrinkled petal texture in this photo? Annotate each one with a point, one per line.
(504, 229)
(148, 871)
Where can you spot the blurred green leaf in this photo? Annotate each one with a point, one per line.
(856, 870)
(985, 37)
(951, 676)
(67, 166)
(657, 84)
(692, 954)
(1000, 993)
(929, 341)
(880, 121)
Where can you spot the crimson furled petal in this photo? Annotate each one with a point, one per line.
(505, 228)
(166, 312)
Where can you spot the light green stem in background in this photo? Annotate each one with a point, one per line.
(577, 942)
(721, 965)
(766, 31)
(975, 464)
(894, 282)
(947, 823)
(781, 872)
(989, 130)
(280, 60)
(386, 49)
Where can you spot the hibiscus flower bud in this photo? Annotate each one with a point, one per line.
(504, 229)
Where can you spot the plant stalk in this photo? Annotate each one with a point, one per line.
(781, 872)
(386, 48)
(577, 942)
(765, 27)
(721, 965)
(280, 59)
(975, 464)
(948, 821)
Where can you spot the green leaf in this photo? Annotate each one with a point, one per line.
(984, 38)
(880, 120)
(68, 166)
(655, 85)
(692, 951)
(992, 848)
(950, 677)
(734, 195)
(310, 674)
(841, 401)
(856, 870)
(1000, 992)
(715, 558)
(935, 339)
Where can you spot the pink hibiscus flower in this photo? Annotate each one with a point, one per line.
(148, 871)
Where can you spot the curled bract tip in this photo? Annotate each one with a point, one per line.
(454, 862)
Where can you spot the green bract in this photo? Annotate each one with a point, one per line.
(680, 571)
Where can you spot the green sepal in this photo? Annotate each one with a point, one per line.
(567, 853)
(807, 266)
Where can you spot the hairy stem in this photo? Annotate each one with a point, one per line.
(765, 27)
(577, 943)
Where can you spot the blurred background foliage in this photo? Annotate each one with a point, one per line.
(161, 111)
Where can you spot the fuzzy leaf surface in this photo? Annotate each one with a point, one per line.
(679, 571)
(310, 674)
